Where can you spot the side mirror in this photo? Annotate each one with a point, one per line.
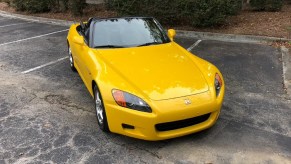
(78, 40)
(171, 34)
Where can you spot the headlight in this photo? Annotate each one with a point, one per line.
(130, 101)
(217, 84)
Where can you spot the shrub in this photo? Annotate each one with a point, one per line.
(59, 5)
(38, 6)
(258, 5)
(18, 5)
(33, 6)
(77, 6)
(165, 13)
(199, 13)
(205, 13)
(233, 7)
(63, 5)
(274, 5)
(267, 5)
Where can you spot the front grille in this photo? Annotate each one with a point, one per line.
(181, 123)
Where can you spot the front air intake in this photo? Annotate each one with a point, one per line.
(182, 123)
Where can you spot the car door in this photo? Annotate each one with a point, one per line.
(84, 61)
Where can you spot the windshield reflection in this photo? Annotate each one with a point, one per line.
(127, 32)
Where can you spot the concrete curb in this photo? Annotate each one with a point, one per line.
(286, 58)
(228, 37)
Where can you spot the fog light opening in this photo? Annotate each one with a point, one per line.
(126, 126)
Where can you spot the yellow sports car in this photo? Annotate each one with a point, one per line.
(144, 84)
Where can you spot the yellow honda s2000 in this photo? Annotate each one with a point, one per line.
(144, 84)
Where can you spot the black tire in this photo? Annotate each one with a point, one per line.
(100, 110)
(71, 59)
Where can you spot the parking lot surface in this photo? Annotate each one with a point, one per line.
(47, 115)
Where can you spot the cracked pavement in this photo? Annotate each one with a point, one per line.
(47, 116)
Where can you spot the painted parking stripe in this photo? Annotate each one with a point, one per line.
(39, 36)
(4, 18)
(44, 65)
(7, 16)
(194, 45)
(15, 24)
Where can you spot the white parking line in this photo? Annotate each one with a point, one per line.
(194, 45)
(15, 24)
(2, 18)
(39, 36)
(7, 16)
(44, 65)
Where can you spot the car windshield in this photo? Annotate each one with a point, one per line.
(128, 32)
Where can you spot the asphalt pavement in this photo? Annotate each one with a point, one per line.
(47, 115)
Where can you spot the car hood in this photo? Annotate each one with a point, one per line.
(160, 71)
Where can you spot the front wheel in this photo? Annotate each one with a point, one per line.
(100, 110)
(71, 59)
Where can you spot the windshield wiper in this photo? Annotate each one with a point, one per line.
(109, 46)
(150, 43)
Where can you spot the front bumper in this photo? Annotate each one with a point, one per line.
(165, 112)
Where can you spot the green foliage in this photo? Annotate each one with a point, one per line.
(258, 4)
(267, 5)
(33, 6)
(274, 5)
(63, 5)
(77, 6)
(59, 5)
(198, 13)
(164, 10)
(205, 13)
(233, 7)
(38, 6)
(18, 5)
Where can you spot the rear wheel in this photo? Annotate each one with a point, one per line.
(71, 59)
(100, 110)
